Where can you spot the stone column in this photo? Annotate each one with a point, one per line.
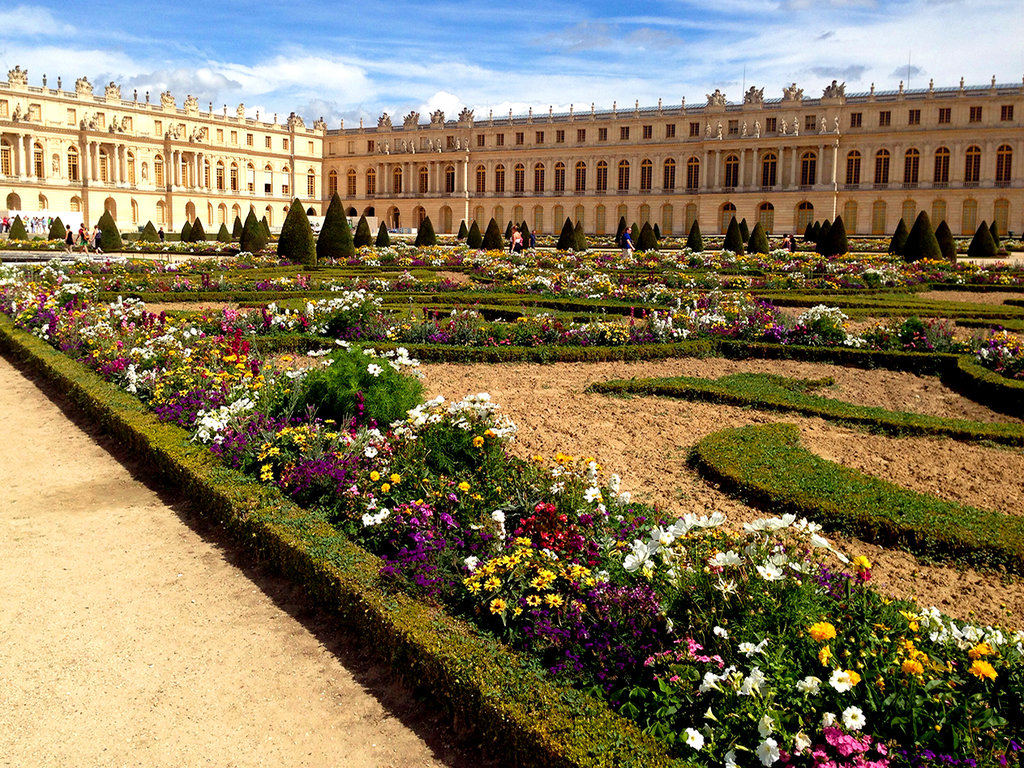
(794, 175)
(717, 178)
(743, 165)
(94, 147)
(30, 166)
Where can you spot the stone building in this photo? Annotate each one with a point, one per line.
(957, 153)
(149, 160)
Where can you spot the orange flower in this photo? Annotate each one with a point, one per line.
(982, 669)
(912, 667)
(822, 631)
(981, 649)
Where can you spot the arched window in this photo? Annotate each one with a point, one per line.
(538, 219)
(804, 216)
(911, 167)
(645, 214)
(130, 167)
(853, 169)
(104, 166)
(371, 181)
(424, 180)
(1004, 165)
(882, 167)
(577, 215)
(727, 214)
(557, 219)
(601, 184)
(499, 179)
(599, 220)
(135, 211)
(623, 175)
(43, 203)
(519, 179)
(732, 171)
(972, 165)
(668, 182)
(666, 219)
(396, 180)
(418, 215)
(38, 166)
(878, 216)
(941, 166)
(76, 205)
(222, 214)
(808, 169)
(332, 183)
(766, 216)
(517, 215)
(769, 170)
(158, 170)
(909, 211)
(581, 176)
(692, 174)
(73, 165)
(969, 217)
(1001, 215)
(161, 207)
(310, 183)
(449, 179)
(219, 176)
(559, 177)
(645, 174)
(538, 182)
(233, 176)
(499, 213)
(938, 212)
(481, 179)
(850, 217)
(350, 182)
(690, 216)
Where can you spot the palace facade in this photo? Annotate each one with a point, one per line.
(957, 153)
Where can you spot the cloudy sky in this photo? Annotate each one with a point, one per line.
(345, 60)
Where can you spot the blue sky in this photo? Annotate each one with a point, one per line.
(345, 60)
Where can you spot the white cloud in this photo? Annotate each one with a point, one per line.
(447, 102)
(31, 21)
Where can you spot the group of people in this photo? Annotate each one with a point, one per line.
(34, 225)
(83, 240)
(516, 241)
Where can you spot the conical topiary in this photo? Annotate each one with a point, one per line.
(993, 229)
(253, 238)
(647, 241)
(236, 229)
(17, 230)
(567, 237)
(525, 231)
(657, 232)
(425, 235)
(508, 230)
(295, 242)
(362, 236)
(836, 242)
(186, 232)
(947, 245)
(982, 245)
(492, 237)
(758, 240)
(383, 238)
(899, 238)
(265, 225)
(463, 230)
(57, 231)
(149, 234)
(335, 238)
(579, 238)
(921, 242)
(620, 229)
(809, 232)
(223, 236)
(474, 239)
(733, 240)
(816, 232)
(744, 230)
(822, 235)
(197, 234)
(695, 241)
(110, 238)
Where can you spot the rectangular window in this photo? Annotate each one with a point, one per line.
(884, 118)
(734, 128)
(694, 130)
(351, 145)
(266, 142)
(311, 186)
(520, 138)
(220, 134)
(499, 139)
(809, 122)
(538, 137)
(284, 190)
(158, 127)
(480, 140)
(670, 131)
(234, 137)
(975, 115)
(914, 117)
(284, 143)
(370, 145)
(1006, 112)
(34, 111)
(559, 137)
(624, 133)
(945, 115)
(4, 109)
(248, 139)
(101, 120)
(72, 117)
(771, 124)
(602, 134)
(648, 131)
(856, 119)
(233, 176)
(581, 135)
(602, 177)
(311, 147)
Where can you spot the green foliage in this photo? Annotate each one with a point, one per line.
(758, 241)
(525, 231)
(982, 245)
(335, 390)
(492, 237)
(149, 233)
(695, 241)
(383, 237)
(635, 228)
(186, 232)
(836, 243)
(619, 229)
(296, 241)
(744, 230)
(733, 238)
(821, 235)
(253, 238)
(809, 233)
(463, 230)
(473, 238)
(567, 238)
(647, 241)
(899, 238)
(197, 234)
(993, 229)
(362, 236)
(236, 229)
(335, 238)
(921, 243)
(57, 230)
(425, 234)
(816, 233)
(579, 238)
(110, 238)
(17, 231)
(223, 236)
(657, 231)
(947, 245)
(265, 225)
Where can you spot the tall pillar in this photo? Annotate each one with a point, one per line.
(718, 160)
(94, 155)
(114, 162)
(740, 182)
(30, 170)
(793, 170)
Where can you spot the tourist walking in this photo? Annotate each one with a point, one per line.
(627, 242)
(69, 239)
(516, 246)
(97, 238)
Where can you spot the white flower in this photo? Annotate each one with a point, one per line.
(726, 587)
(768, 752)
(841, 681)
(809, 684)
(624, 497)
(723, 559)
(749, 649)
(471, 562)
(694, 738)
(373, 369)
(771, 572)
(853, 718)
(614, 482)
(755, 681)
(828, 720)
(730, 759)
(592, 494)
(721, 632)
(801, 742)
(369, 452)
(766, 726)
(498, 516)
(710, 682)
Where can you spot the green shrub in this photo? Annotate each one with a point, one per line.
(947, 245)
(982, 245)
(899, 238)
(335, 238)
(567, 238)
(733, 238)
(921, 242)
(816, 234)
(383, 238)
(357, 386)
(362, 236)
(657, 231)
(110, 238)
(473, 238)
(296, 240)
(265, 226)
(993, 229)
(758, 242)
(695, 241)
(17, 231)
(253, 237)
(425, 234)
(836, 244)
(149, 234)
(492, 237)
(619, 229)
(744, 230)
(197, 234)
(223, 236)
(236, 229)
(525, 231)
(809, 232)
(647, 241)
(463, 230)
(821, 235)
(57, 230)
(186, 232)
(579, 238)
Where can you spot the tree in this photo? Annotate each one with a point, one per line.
(733, 240)
(253, 238)
(223, 236)
(266, 228)
(295, 242)
(335, 238)
(758, 241)
(836, 242)
(695, 241)
(567, 237)
(620, 229)
(819, 241)
(525, 230)
(197, 234)
(110, 238)
(993, 230)
(635, 229)
(982, 245)
(236, 229)
(899, 238)
(808, 232)
(149, 234)
(425, 234)
(362, 236)
(463, 230)
(946, 242)
(474, 239)
(744, 230)
(57, 231)
(492, 237)
(186, 232)
(17, 230)
(816, 233)
(383, 238)
(921, 242)
(657, 232)
(647, 241)
(579, 238)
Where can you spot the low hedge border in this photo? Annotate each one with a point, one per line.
(522, 717)
(766, 465)
(759, 392)
(985, 386)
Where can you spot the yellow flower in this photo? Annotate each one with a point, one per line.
(385, 487)
(982, 669)
(498, 605)
(266, 473)
(824, 655)
(478, 441)
(853, 676)
(493, 583)
(553, 600)
(395, 479)
(374, 476)
(463, 486)
(912, 667)
(981, 649)
(533, 601)
(517, 611)
(861, 563)
(822, 631)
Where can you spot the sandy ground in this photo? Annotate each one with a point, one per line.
(646, 441)
(131, 636)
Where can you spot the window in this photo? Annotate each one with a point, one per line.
(480, 140)
(771, 124)
(499, 139)
(234, 137)
(732, 171)
(648, 131)
(941, 166)
(853, 169)
(371, 181)
(692, 173)
(734, 128)
(909, 211)
(624, 175)
(220, 176)
(972, 165)
(1006, 112)
(1001, 214)
(351, 148)
(520, 138)
(560, 137)
(645, 175)
(37, 164)
(694, 130)
(220, 134)
(350, 182)
(624, 133)
(975, 115)
(850, 216)
(914, 117)
(911, 166)
(1004, 161)
(969, 217)
(158, 170)
(878, 217)
(810, 123)
(499, 179)
(769, 166)
(371, 145)
(669, 180)
(939, 210)
(481, 179)
(881, 167)
(559, 177)
(856, 119)
(945, 115)
(766, 217)
(423, 175)
(158, 127)
(581, 135)
(72, 119)
(519, 178)
(728, 214)
(233, 177)
(808, 169)
(332, 183)
(884, 118)
(602, 176)
(6, 168)
(266, 143)
(602, 134)
(5, 109)
(101, 120)
(248, 139)
(670, 131)
(581, 176)
(284, 143)
(449, 179)
(311, 184)
(396, 181)
(538, 177)
(130, 163)
(285, 190)
(538, 137)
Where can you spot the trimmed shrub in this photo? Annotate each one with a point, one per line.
(525, 230)
(579, 238)
(110, 238)
(695, 241)
(266, 228)
(362, 236)
(425, 234)
(836, 244)
(657, 231)
(808, 232)
(947, 245)
(758, 241)
(567, 238)
(647, 241)
(508, 230)
(236, 229)
(982, 245)
(57, 230)
(899, 238)
(186, 232)
(492, 237)
(296, 241)
(816, 232)
(744, 230)
(223, 236)
(619, 229)
(253, 238)
(474, 239)
(635, 229)
(993, 229)
(335, 239)
(383, 237)
(822, 235)
(149, 234)
(17, 231)
(197, 234)
(463, 230)
(733, 237)
(921, 242)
